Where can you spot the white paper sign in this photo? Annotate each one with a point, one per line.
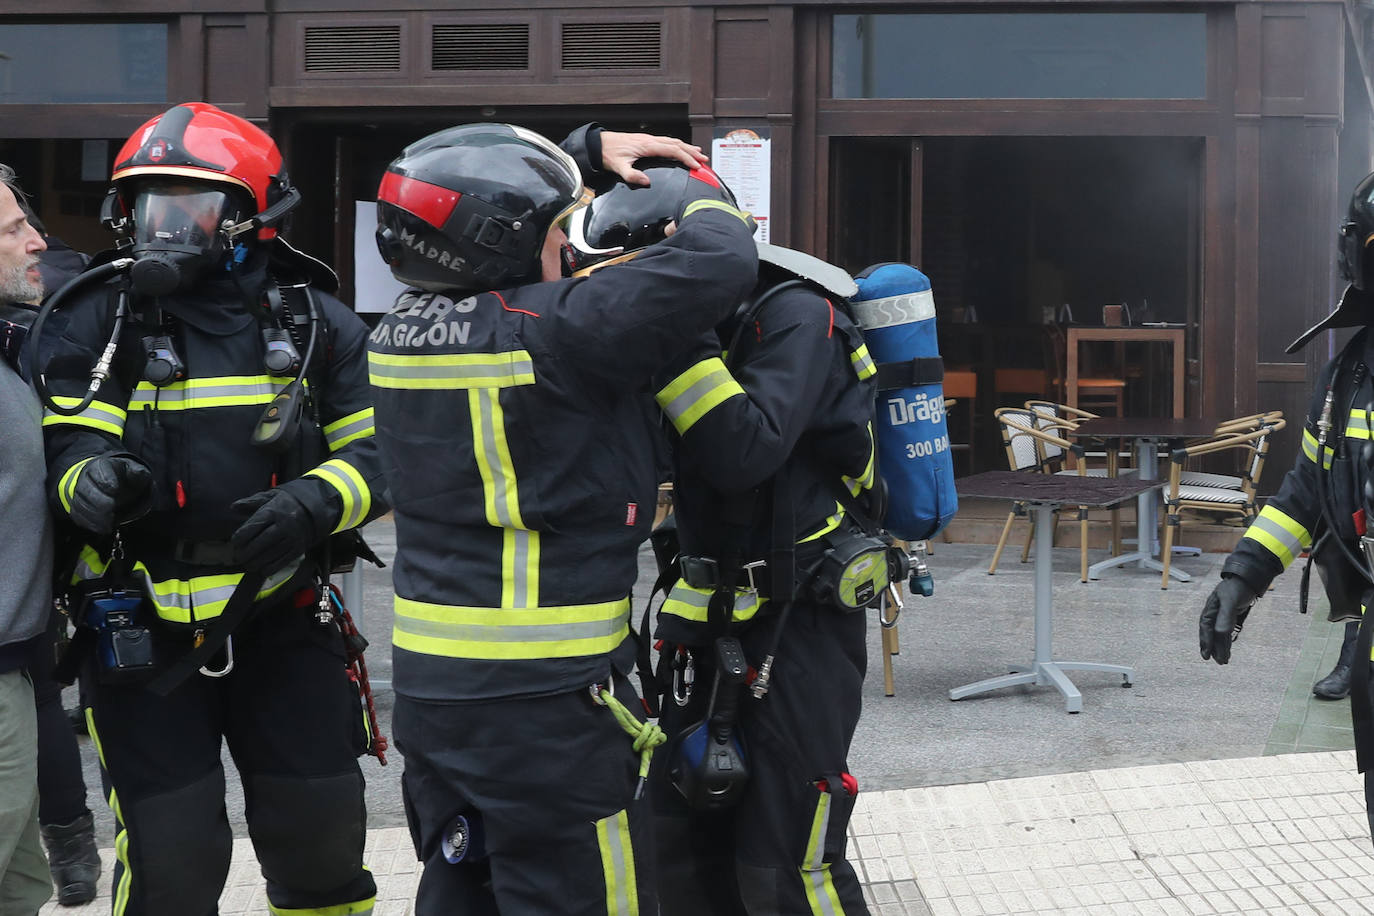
(375, 289)
(743, 159)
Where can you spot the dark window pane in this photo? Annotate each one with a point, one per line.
(83, 62)
(1020, 56)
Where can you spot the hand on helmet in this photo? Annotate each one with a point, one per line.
(109, 491)
(1222, 617)
(282, 524)
(620, 151)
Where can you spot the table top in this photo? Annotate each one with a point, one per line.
(1057, 489)
(1147, 427)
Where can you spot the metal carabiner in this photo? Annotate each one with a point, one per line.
(228, 661)
(684, 676)
(884, 621)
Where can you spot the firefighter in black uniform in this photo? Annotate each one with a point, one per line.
(1325, 501)
(764, 435)
(232, 437)
(520, 450)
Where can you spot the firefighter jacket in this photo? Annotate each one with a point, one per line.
(1292, 521)
(520, 452)
(796, 390)
(194, 435)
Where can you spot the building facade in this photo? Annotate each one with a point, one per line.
(1191, 160)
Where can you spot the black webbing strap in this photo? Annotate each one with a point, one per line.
(235, 612)
(923, 370)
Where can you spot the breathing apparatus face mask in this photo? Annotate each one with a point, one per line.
(176, 235)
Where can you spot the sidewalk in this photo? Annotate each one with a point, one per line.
(1282, 834)
(1199, 790)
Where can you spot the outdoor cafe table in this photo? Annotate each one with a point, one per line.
(1042, 493)
(1147, 433)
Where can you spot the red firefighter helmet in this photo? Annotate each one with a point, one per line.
(200, 142)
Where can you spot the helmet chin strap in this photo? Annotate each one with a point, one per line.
(268, 218)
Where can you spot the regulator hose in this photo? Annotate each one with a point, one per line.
(101, 370)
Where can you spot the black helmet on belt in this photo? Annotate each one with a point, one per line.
(469, 207)
(1355, 262)
(623, 218)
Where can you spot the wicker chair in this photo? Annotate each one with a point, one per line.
(1026, 436)
(1252, 444)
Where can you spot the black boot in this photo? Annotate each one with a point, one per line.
(1336, 685)
(72, 859)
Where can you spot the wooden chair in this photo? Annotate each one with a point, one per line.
(1025, 436)
(1051, 415)
(1179, 496)
(961, 390)
(1095, 392)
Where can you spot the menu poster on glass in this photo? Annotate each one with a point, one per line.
(742, 157)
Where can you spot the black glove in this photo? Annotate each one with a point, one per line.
(283, 524)
(109, 491)
(1222, 617)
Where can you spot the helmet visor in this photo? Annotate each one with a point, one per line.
(179, 214)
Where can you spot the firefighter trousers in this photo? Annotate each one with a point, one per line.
(547, 785)
(780, 851)
(293, 724)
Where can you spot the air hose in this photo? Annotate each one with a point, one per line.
(101, 370)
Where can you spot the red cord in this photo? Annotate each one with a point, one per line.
(357, 670)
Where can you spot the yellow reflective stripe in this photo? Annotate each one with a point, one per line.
(1309, 449)
(830, 524)
(865, 479)
(1357, 425)
(356, 908)
(182, 600)
(100, 415)
(451, 370)
(507, 634)
(694, 393)
(815, 871)
(66, 487)
(618, 864)
(492, 452)
(349, 429)
(353, 490)
(201, 393)
(519, 567)
(1279, 534)
(704, 204)
(690, 603)
(863, 363)
(120, 903)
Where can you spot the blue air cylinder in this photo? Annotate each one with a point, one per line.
(896, 311)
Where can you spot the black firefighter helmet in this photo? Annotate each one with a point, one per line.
(1355, 262)
(469, 207)
(623, 219)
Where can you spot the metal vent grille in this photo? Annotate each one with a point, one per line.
(481, 47)
(341, 48)
(612, 45)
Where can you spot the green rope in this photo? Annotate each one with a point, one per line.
(646, 735)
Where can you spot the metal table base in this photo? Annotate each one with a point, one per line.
(1043, 669)
(1144, 524)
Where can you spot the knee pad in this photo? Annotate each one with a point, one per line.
(308, 832)
(179, 847)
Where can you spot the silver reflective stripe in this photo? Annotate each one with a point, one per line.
(337, 437)
(226, 394)
(703, 386)
(480, 371)
(520, 568)
(502, 478)
(1291, 542)
(532, 633)
(891, 311)
(814, 872)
